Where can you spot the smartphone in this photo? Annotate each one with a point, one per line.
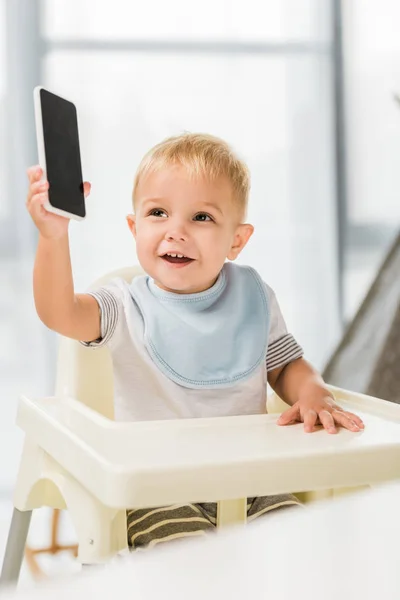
(59, 153)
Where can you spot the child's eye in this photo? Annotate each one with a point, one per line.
(158, 212)
(202, 217)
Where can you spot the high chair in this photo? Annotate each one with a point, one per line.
(76, 457)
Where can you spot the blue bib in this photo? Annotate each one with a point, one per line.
(209, 339)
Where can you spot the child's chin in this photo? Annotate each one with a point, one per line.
(174, 284)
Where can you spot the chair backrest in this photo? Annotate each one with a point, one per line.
(86, 373)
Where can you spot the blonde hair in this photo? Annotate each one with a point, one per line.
(202, 155)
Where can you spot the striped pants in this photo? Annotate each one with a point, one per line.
(148, 527)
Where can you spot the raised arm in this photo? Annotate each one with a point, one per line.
(73, 315)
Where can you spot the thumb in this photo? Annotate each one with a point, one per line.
(86, 188)
(289, 416)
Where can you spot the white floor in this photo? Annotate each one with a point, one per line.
(27, 356)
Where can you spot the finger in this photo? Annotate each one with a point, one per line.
(86, 188)
(34, 173)
(327, 421)
(310, 420)
(289, 416)
(338, 409)
(37, 201)
(354, 418)
(31, 173)
(41, 184)
(345, 420)
(37, 187)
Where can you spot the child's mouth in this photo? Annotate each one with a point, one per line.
(178, 259)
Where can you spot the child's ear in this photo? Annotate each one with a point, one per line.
(243, 233)
(131, 220)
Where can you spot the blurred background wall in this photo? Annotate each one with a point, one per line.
(303, 90)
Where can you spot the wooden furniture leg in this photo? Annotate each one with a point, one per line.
(54, 548)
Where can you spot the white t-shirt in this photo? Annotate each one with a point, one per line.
(143, 392)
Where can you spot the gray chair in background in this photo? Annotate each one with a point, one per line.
(367, 360)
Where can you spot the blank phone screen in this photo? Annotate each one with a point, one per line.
(63, 159)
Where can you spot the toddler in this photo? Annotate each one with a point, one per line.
(195, 336)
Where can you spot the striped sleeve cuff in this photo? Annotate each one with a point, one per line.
(283, 351)
(108, 307)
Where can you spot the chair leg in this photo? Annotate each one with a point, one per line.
(16, 541)
(232, 512)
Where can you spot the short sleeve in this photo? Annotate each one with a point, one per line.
(282, 346)
(108, 300)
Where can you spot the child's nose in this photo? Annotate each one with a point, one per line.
(176, 234)
(175, 237)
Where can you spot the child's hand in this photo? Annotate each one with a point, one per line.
(50, 226)
(320, 411)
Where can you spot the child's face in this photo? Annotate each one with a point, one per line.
(190, 217)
